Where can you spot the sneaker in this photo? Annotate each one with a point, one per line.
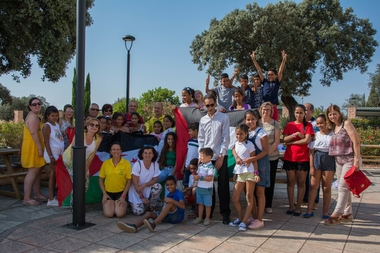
(130, 228)
(53, 202)
(150, 224)
(242, 226)
(250, 219)
(256, 224)
(235, 223)
(315, 206)
(206, 222)
(197, 220)
(268, 210)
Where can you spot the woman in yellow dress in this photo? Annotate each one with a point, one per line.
(32, 154)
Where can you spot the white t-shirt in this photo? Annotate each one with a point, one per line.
(261, 134)
(322, 142)
(145, 175)
(204, 170)
(244, 150)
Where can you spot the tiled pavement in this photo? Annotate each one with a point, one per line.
(42, 229)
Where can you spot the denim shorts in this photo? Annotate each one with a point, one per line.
(324, 162)
(171, 217)
(204, 199)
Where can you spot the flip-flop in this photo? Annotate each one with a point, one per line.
(332, 221)
(31, 202)
(41, 198)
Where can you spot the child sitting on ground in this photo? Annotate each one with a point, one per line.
(173, 210)
(189, 192)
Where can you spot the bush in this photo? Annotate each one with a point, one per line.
(369, 136)
(365, 123)
(283, 121)
(11, 134)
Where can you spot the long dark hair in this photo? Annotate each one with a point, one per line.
(170, 118)
(255, 114)
(304, 121)
(243, 127)
(162, 159)
(234, 104)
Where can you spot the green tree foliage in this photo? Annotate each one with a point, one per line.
(87, 95)
(5, 95)
(42, 29)
(313, 33)
(6, 111)
(374, 85)
(74, 90)
(357, 100)
(159, 95)
(318, 111)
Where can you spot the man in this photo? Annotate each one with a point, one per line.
(132, 107)
(309, 118)
(93, 110)
(158, 109)
(214, 133)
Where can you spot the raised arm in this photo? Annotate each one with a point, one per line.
(282, 66)
(257, 66)
(236, 72)
(207, 83)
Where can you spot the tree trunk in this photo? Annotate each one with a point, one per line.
(290, 103)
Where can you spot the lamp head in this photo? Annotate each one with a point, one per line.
(129, 38)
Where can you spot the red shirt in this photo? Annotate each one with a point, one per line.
(297, 152)
(127, 120)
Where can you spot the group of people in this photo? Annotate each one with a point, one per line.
(309, 153)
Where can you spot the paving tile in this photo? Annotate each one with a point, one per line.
(66, 244)
(185, 249)
(219, 231)
(199, 243)
(92, 235)
(15, 247)
(6, 225)
(228, 247)
(41, 238)
(328, 237)
(249, 238)
(41, 250)
(110, 227)
(283, 244)
(363, 243)
(170, 237)
(22, 232)
(188, 227)
(97, 248)
(120, 241)
(264, 250)
(46, 224)
(320, 248)
(150, 246)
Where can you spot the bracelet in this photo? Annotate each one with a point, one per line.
(123, 196)
(141, 197)
(256, 173)
(201, 178)
(294, 135)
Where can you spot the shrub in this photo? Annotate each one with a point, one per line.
(11, 134)
(369, 136)
(365, 123)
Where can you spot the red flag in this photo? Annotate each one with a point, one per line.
(182, 139)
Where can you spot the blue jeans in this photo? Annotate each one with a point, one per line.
(165, 172)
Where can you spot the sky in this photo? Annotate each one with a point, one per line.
(160, 55)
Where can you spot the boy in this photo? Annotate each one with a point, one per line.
(248, 91)
(190, 191)
(257, 88)
(173, 210)
(192, 151)
(271, 85)
(205, 177)
(225, 91)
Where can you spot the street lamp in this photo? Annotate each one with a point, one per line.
(128, 39)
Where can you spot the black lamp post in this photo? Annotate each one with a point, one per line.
(128, 39)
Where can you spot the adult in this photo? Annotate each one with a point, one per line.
(309, 118)
(169, 125)
(32, 153)
(145, 191)
(115, 181)
(158, 112)
(199, 98)
(107, 110)
(272, 128)
(345, 146)
(66, 122)
(214, 133)
(132, 107)
(92, 140)
(93, 110)
(271, 86)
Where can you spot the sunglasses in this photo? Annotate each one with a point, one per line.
(109, 110)
(69, 111)
(94, 125)
(210, 105)
(35, 104)
(94, 109)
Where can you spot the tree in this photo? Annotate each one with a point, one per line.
(74, 90)
(357, 100)
(374, 85)
(6, 112)
(313, 33)
(5, 95)
(318, 111)
(42, 29)
(87, 95)
(159, 95)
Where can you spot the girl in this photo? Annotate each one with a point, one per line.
(321, 166)
(54, 147)
(118, 123)
(238, 103)
(137, 126)
(245, 174)
(114, 181)
(345, 147)
(188, 98)
(169, 125)
(199, 100)
(259, 138)
(67, 121)
(297, 136)
(167, 160)
(158, 129)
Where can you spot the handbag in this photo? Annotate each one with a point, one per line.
(356, 181)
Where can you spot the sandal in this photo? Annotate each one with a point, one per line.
(290, 212)
(346, 218)
(41, 198)
(325, 217)
(31, 202)
(332, 221)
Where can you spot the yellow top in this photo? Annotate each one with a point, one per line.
(150, 124)
(29, 150)
(115, 177)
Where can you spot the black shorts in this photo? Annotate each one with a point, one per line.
(298, 166)
(114, 195)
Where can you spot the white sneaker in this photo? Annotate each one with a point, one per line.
(268, 210)
(53, 202)
(235, 223)
(242, 226)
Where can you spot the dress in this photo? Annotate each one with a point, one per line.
(29, 150)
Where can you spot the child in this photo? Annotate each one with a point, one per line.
(238, 103)
(192, 151)
(172, 212)
(118, 123)
(190, 191)
(245, 175)
(137, 126)
(205, 177)
(103, 123)
(188, 98)
(271, 85)
(54, 147)
(167, 160)
(158, 130)
(199, 100)
(247, 91)
(257, 90)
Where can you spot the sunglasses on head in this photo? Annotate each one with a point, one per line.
(94, 109)
(210, 105)
(35, 104)
(94, 125)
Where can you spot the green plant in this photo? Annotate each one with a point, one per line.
(11, 134)
(369, 136)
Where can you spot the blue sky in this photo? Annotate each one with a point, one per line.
(160, 55)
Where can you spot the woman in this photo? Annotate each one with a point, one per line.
(67, 121)
(297, 136)
(145, 191)
(92, 140)
(115, 181)
(107, 110)
(345, 146)
(169, 125)
(272, 128)
(198, 95)
(32, 154)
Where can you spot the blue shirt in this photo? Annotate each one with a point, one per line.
(270, 91)
(177, 195)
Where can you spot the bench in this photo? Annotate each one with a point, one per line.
(15, 174)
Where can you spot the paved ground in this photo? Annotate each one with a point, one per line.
(42, 229)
